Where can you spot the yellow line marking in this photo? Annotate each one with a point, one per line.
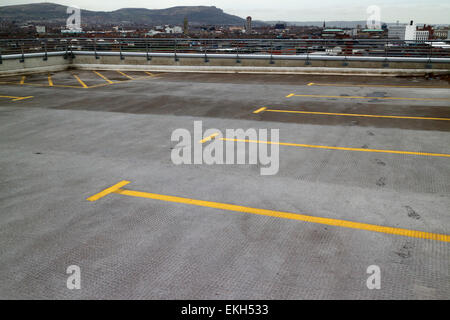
(102, 76)
(50, 81)
(22, 80)
(152, 74)
(290, 95)
(209, 138)
(339, 148)
(80, 81)
(349, 114)
(22, 98)
(13, 98)
(101, 85)
(276, 214)
(107, 191)
(372, 85)
(39, 84)
(125, 75)
(260, 110)
(361, 97)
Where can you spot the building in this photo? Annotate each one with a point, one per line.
(173, 30)
(402, 31)
(248, 25)
(422, 35)
(441, 34)
(333, 33)
(40, 29)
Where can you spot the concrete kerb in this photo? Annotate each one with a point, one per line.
(58, 63)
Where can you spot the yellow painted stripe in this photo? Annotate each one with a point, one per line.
(22, 80)
(340, 148)
(349, 114)
(39, 84)
(80, 81)
(50, 81)
(372, 85)
(259, 110)
(102, 76)
(209, 138)
(125, 75)
(13, 98)
(290, 95)
(108, 191)
(361, 97)
(288, 215)
(22, 98)
(101, 85)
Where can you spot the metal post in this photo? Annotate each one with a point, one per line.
(307, 62)
(120, 48)
(271, 53)
(1, 61)
(429, 65)
(95, 49)
(206, 56)
(237, 55)
(45, 47)
(175, 50)
(385, 63)
(22, 59)
(146, 51)
(66, 53)
(71, 50)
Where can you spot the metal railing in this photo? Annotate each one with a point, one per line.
(271, 49)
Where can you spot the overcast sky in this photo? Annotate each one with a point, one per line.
(427, 11)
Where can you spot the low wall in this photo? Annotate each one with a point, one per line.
(33, 65)
(224, 63)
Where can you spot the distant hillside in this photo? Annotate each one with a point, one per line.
(55, 13)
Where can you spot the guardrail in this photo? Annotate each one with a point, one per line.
(270, 49)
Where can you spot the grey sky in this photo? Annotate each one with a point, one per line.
(429, 11)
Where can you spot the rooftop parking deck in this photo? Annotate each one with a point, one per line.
(364, 179)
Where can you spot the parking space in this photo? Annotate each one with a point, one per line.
(88, 179)
(77, 79)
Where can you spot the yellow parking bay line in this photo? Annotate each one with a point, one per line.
(260, 110)
(50, 81)
(209, 138)
(272, 213)
(371, 85)
(330, 147)
(22, 80)
(103, 77)
(125, 75)
(361, 97)
(107, 191)
(13, 98)
(347, 114)
(80, 81)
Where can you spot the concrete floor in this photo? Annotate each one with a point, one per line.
(66, 142)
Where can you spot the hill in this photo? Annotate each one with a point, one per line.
(55, 13)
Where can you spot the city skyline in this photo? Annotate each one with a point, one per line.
(434, 11)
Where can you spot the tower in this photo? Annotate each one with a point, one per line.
(248, 26)
(186, 26)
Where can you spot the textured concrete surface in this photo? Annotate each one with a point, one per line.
(66, 144)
